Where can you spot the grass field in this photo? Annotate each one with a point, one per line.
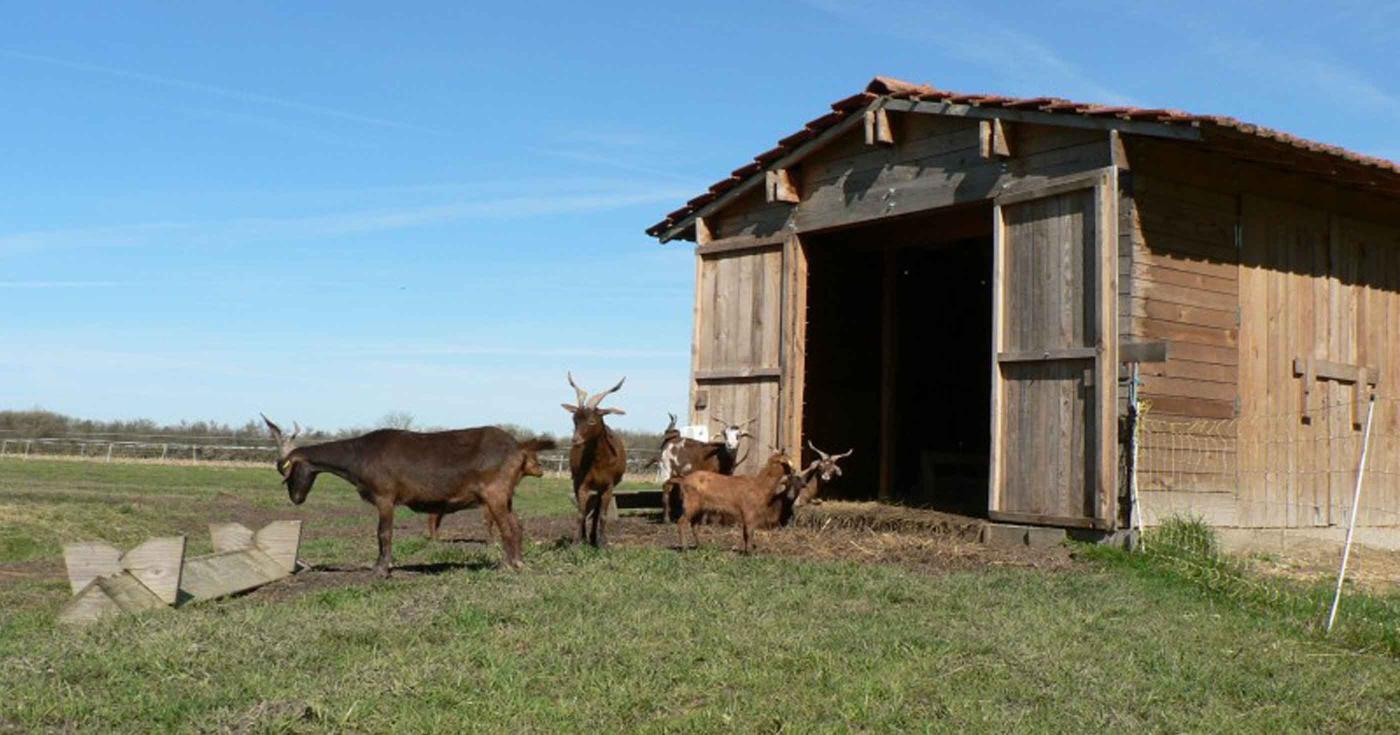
(637, 638)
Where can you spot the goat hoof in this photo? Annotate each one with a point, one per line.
(381, 571)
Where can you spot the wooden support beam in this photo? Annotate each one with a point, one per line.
(740, 373)
(741, 242)
(992, 139)
(703, 234)
(1361, 376)
(889, 366)
(826, 136)
(1070, 353)
(1176, 131)
(877, 127)
(780, 186)
(1117, 151)
(1142, 352)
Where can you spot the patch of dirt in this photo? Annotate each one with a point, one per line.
(1310, 560)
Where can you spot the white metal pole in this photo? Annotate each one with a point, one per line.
(109, 450)
(1355, 503)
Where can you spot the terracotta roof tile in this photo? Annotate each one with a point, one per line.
(900, 89)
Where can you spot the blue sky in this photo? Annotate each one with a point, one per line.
(332, 211)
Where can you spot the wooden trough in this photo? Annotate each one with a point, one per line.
(156, 574)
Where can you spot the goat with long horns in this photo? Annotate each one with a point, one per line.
(597, 461)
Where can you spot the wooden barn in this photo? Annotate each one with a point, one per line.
(954, 285)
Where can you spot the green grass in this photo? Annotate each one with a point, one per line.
(709, 641)
(1185, 551)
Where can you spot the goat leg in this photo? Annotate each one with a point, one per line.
(509, 527)
(386, 540)
(433, 520)
(595, 511)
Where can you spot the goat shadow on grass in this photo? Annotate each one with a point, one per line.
(465, 540)
(425, 569)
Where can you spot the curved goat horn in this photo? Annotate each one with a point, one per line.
(274, 428)
(823, 455)
(595, 400)
(582, 394)
(296, 431)
(848, 453)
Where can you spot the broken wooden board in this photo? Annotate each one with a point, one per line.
(228, 573)
(155, 563)
(156, 573)
(106, 596)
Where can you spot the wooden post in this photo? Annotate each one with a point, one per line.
(888, 372)
(877, 127)
(110, 445)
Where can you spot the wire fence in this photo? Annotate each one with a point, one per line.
(555, 462)
(1272, 471)
(1328, 467)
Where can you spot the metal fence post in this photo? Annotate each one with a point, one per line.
(110, 445)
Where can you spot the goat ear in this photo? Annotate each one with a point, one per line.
(607, 411)
(569, 407)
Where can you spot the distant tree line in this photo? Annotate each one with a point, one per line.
(39, 424)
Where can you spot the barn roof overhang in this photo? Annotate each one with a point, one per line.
(1214, 132)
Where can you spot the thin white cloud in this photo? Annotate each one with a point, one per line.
(986, 40)
(61, 284)
(238, 95)
(1296, 69)
(257, 229)
(583, 156)
(450, 350)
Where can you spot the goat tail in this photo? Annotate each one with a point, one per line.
(535, 445)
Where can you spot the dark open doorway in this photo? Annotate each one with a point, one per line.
(898, 361)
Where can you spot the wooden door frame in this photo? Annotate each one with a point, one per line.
(1104, 183)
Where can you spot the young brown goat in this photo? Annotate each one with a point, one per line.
(597, 460)
(532, 468)
(681, 456)
(438, 472)
(757, 501)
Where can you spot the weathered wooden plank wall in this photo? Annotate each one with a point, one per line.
(1047, 428)
(737, 362)
(1244, 268)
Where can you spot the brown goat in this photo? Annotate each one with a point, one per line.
(681, 456)
(597, 461)
(757, 501)
(532, 468)
(822, 468)
(438, 472)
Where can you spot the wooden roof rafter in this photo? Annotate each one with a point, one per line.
(855, 119)
(1218, 133)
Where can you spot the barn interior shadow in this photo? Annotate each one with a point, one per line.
(900, 312)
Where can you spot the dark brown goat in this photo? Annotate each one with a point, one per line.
(597, 461)
(438, 472)
(757, 501)
(532, 468)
